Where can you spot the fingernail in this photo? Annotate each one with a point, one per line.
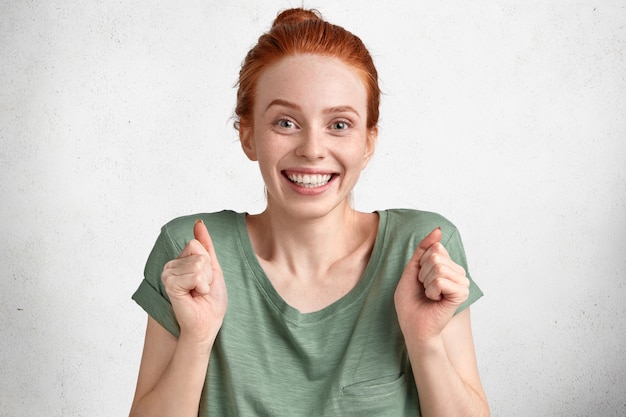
(198, 221)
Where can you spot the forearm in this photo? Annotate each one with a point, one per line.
(177, 393)
(441, 390)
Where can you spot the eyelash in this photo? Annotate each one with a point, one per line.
(280, 123)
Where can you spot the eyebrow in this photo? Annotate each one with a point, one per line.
(283, 103)
(336, 109)
(342, 109)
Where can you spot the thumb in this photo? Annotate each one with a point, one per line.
(409, 281)
(432, 238)
(413, 266)
(201, 234)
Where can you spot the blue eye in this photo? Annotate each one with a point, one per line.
(341, 125)
(286, 124)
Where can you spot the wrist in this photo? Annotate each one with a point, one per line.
(424, 346)
(196, 346)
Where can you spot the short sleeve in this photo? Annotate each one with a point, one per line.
(151, 295)
(455, 249)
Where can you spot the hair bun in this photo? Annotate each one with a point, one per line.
(292, 16)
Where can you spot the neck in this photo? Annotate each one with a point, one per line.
(306, 244)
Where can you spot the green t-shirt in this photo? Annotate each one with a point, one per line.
(271, 360)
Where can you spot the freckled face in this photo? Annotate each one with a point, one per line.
(309, 134)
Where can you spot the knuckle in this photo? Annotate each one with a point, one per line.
(439, 282)
(167, 280)
(439, 248)
(197, 267)
(166, 274)
(440, 268)
(199, 264)
(433, 292)
(435, 258)
(439, 258)
(197, 279)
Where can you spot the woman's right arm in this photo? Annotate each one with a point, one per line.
(171, 375)
(173, 371)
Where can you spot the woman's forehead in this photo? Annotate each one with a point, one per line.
(311, 79)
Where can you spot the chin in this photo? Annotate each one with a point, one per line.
(310, 210)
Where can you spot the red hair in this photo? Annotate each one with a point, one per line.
(300, 31)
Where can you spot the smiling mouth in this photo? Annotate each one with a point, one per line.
(310, 180)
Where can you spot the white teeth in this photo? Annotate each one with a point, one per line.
(310, 181)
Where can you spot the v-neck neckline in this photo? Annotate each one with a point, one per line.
(349, 300)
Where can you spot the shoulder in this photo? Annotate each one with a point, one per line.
(214, 218)
(406, 228)
(416, 215)
(417, 223)
(219, 224)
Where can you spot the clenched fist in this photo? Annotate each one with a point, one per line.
(430, 290)
(195, 285)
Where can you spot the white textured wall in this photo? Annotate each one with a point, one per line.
(510, 119)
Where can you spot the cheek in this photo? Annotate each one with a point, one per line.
(267, 154)
(268, 158)
(360, 156)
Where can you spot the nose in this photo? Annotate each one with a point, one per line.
(311, 145)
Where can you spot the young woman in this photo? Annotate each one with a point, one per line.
(309, 308)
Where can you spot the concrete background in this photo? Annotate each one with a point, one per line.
(507, 117)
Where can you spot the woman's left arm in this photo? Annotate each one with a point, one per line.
(439, 343)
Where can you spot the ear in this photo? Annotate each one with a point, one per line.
(370, 146)
(247, 142)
